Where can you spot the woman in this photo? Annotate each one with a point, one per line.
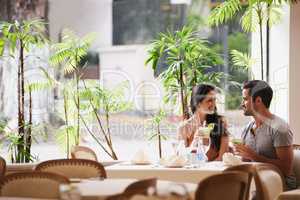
(203, 106)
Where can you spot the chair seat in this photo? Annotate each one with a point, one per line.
(289, 195)
(296, 166)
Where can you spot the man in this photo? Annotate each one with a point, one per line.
(267, 138)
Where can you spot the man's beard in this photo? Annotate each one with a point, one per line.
(247, 112)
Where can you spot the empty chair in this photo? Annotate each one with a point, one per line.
(225, 186)
(173, 197)
(73, 168)
(269, 182)
(247, 168)
(296, 166)
(32, 185)
(140, 187)
(2, 167)
(267, 178)
(82, 152)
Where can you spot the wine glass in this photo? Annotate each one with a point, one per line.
(174, 144)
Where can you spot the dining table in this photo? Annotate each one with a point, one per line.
(178, 174)
(29, 167)
(90, 189)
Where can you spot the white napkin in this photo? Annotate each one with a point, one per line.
(230, 159)
(140, 157)
(173, 161)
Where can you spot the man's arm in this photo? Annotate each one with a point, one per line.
(283, 162)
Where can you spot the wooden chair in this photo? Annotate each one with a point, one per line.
(296, 165)
(247, 168)
(73, 168)
(268, 179)
(142, 197)
(2, 167)
(140, 187)
(225, 186)
(32, 185)
(269, 182)
(82, 152)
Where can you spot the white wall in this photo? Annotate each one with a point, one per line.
(82, 16)
(127, 62)
(279, 65)
(294, 72)
(255, 53)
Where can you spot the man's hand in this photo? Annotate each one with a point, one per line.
(245, 152)
(283, 162)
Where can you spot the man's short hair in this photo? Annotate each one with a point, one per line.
(262, 89)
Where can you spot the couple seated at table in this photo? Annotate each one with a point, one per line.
(267, 138)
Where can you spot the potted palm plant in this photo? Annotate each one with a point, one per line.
(19, 38)
(187, 59)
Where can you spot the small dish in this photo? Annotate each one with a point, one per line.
(174, 166)
(140, 162)
(75, 180)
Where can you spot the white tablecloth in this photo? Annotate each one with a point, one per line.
(191, 175)
(92, 189)
(28, 167)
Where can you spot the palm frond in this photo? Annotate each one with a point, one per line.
(240, 59)
(71, 50)
(224, 12)
(2, 46)
(60, 56)
(37, 86)
(249, 20)
(274, 14)
(64, 133)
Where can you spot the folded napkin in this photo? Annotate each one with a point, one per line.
(173, 161)
(230, 159)
(140, 157)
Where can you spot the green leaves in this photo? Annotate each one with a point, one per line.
(258, 11)
(66, 134)
(240, 59)
(224, 12)
(71, 50)
(109, 100)
(275, 14)
(249, 20)
(30, 32)
(2, 45)
(187, 58)
(155, 123)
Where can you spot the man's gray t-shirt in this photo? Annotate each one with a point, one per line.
(265, 139)
(271, 134)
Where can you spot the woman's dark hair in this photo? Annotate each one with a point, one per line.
(218, 130)
(199, 93)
